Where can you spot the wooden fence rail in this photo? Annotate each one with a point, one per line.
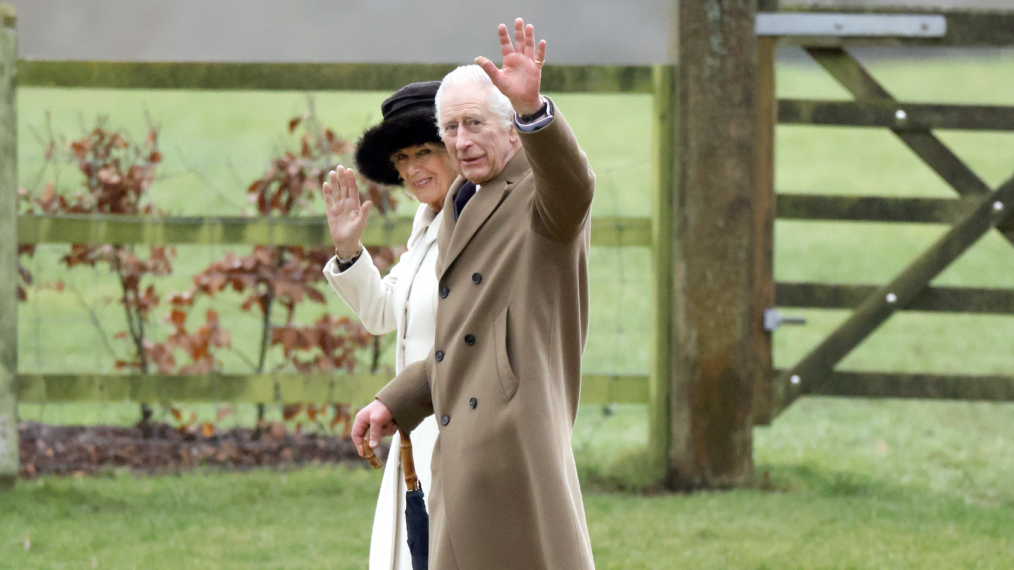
(304, 76)
(858, 384)
(873, 208)
(931, 299)
(895, 115)
(358, 389)
(36, 229)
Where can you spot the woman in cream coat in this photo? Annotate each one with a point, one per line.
(405, 148)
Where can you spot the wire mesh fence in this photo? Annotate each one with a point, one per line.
(214, 145)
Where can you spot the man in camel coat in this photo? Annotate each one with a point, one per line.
(504, 378)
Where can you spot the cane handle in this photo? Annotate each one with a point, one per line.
(370, 456)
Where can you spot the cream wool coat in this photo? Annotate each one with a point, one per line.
(405, 300)
(505, 377)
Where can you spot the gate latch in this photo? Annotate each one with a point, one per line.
(774, 319)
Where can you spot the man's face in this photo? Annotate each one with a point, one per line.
(476, 139)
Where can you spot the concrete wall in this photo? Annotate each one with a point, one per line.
(449, 31)
(403, 31)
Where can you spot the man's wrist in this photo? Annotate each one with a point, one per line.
(535, 121)
(532, 108)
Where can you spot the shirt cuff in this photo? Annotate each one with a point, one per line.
(537, 123)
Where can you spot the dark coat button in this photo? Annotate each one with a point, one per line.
(469, 339)
(439, 355)
(476, 278)
(444, 292)
(473, 403)
(444, 420)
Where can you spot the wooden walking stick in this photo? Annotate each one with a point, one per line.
(408, 463)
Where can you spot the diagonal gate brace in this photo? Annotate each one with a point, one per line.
(816, 367)
(854, 77)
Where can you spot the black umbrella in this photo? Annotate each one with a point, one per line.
(417, 522)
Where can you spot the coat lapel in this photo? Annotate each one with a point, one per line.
(455, 235)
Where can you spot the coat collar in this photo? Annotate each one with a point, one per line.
(424, 218)
(455, 235)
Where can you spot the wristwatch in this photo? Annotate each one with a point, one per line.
(541, 113)
(343, 263)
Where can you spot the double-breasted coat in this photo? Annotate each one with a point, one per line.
(505, 376)
(404, 300)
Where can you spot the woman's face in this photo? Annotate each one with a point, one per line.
(427, 171)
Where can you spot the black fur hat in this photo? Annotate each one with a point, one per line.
(409, 119)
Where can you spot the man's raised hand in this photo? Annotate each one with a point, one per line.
(346, 217)
(520, 77)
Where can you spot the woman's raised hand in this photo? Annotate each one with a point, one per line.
(521, 74)
(346, 217)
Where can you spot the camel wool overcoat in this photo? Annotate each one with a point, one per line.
(505, 376)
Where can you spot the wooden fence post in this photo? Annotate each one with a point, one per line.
(714, 310)
(764, 225)
(660, 377)
(8, 249)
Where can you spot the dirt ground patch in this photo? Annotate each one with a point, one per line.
(90, 450)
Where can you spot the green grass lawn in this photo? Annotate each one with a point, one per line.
(840, 483)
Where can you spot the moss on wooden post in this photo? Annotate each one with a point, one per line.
(8, 249)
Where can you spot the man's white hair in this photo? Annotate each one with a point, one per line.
(473, 77)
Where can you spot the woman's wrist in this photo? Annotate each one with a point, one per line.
(347, 251)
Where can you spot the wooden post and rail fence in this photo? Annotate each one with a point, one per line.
(711, 230)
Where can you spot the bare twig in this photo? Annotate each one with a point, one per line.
(243, 357)
(194, 171)
(95, 322)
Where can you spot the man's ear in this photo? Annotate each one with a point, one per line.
(512, 134)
